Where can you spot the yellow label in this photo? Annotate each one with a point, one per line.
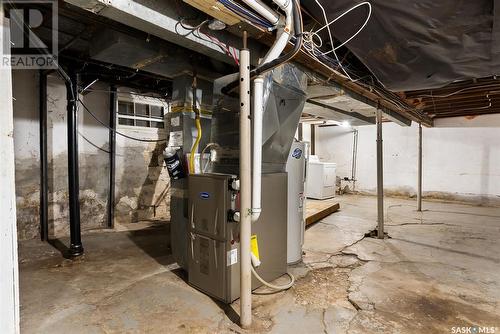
(254, 246)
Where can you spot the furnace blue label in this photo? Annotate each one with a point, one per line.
(297, 153)
(204, 195)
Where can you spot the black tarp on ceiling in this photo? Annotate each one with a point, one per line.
(425, 44)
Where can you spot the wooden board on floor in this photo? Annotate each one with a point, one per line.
(319, 209)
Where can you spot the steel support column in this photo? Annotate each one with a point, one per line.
(76, 247)
(112, 153)
(44, 180)
(419, 182)
(380, 177)
(313, 139)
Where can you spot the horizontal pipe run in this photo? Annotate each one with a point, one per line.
(263, 10)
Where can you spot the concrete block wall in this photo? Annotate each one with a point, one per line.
(140, 176)
(461, 158)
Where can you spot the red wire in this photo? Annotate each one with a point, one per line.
(223, 46)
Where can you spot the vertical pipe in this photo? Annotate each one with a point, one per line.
(301, 132)
(380, 177)
(44, 181)
(257, 118)
(76, 247)
(419, 183)
(354, 158)
(112, 153)
(246, 190)
(313, 139)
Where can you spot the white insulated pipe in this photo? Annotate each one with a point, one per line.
(263, 10)
(245, 191)
(284, 36)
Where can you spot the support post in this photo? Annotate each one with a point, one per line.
(44, 178)
(313, 139)
(301, 132)
(76, 247)
(112, 153)
(419, 183)
(380, 177)
(245, 189)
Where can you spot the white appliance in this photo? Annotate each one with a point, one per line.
(296, 168)
(321, 179)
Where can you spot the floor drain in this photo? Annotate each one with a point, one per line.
(374, 234)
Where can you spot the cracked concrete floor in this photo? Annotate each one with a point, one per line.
(440, 269)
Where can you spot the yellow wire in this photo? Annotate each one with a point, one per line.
(195, 146)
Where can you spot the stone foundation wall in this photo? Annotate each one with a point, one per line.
(141, 186)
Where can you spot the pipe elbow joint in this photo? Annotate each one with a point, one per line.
(256, 214)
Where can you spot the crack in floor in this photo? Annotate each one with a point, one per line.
(323, 321)
(423, 224)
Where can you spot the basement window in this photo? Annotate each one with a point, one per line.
(140, 115)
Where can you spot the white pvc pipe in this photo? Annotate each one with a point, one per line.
(258, 107)
(263, 10)
(278, 47)
(245, 192)
(284, 34)
(258, 111)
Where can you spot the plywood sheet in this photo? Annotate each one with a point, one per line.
(319, 209)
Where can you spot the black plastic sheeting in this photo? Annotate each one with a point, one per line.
(426, 44)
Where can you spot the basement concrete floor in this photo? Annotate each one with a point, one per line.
(439, 269)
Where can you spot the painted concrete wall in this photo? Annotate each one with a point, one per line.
(458, 162)
(9, 274)
(138, 173)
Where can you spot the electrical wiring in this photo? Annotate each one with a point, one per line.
(115, 131)
(458, 91)
(196, 31)
(192, 28)
(312, 47)
(342, 15)
(224, 47)
(331, 38)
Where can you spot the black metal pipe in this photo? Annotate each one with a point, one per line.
(76, 247)
(113, 101)
(313, 139)
(44, 180)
